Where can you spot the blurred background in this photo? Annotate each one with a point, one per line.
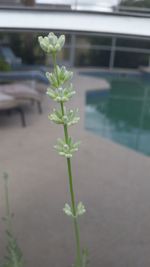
(108, 48)
(20, 48)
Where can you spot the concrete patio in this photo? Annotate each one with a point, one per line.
(112, 181)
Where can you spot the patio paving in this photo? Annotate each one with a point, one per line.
(112, 181)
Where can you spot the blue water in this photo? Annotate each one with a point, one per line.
(122, 113)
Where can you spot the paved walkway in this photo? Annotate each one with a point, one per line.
(112, 181)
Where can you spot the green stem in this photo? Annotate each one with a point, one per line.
(8, 214)
(76, 227)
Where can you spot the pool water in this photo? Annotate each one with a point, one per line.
(122, 113)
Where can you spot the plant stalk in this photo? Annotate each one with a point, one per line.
(8, 214)
(73, 204)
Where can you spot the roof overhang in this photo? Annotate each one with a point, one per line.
(78, 21)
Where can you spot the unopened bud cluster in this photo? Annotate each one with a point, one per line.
(51, 43)
(66, 149)
(68, 118)
(59, 77)
(80, 210)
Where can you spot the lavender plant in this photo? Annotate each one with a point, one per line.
(14, 256)
(61, 90)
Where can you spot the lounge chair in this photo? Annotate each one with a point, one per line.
(22, 92)
(8, 103)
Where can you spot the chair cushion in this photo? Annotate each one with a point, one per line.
(7, 102)
(20, 91)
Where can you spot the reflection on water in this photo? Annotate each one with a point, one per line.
(122, 113)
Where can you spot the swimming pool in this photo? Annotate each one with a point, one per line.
(122, 113)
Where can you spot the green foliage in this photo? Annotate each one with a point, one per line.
(135, 3)
(4, 66)
(84, 259)
(13, 256)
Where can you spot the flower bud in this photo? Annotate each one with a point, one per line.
(66, 146)
(52, 38)
(65, 119)
(57, 47)
(61, 41)
(51, 43)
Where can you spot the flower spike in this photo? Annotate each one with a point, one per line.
(61, 91)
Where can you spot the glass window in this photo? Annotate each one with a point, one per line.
(23, 47)
(130, 59)
(134, 43)
(94, 40)
(91, 57)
